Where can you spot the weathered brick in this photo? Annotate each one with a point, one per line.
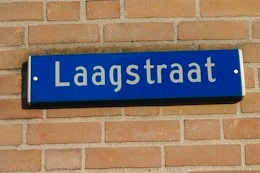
(213, 30)
(200, 109)
(103, 9)
(83, 112)
(142, 157)
(242, 128)
(112, 49)
(147, 31)
(137, 131)
(63, 11)
(202, 129)
(21, 11)
(10, 84)
(63, 133)
(256, 29)
(249, 77)
(142, 111)
(65, 33)
(222, 8)
(11, 36)
(158, 47)
(259, 76)
(163, 8)
(237, 171)
(24, 160)
(13, 59)
(10, 134)
(208, 155)
(251, 103)
(253, 154)
(251, 52)
(63, 159)
(12, 109)
(217, 46)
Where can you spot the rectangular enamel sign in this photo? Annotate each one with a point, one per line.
(135, 76)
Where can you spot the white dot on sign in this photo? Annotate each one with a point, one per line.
(236, 71)
(35, 78)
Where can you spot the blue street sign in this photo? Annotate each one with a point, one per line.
(135, 76)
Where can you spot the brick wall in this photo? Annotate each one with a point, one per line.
(199, 139)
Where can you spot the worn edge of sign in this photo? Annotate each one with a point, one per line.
(242, 72)
(29, 81)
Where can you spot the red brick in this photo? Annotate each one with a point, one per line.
(145, 157)
(13, 59)
(163, 8)
(200, 109)
(136, 131)
(202, 129)
(11, 36)
(21, 11)
(249, 77)
(121, 32)
(63, 133)
(83, 112)
(251, 52)
(142, 111)
(208, 155)
(242, 128)
(63, 159)
(251, 103)
(10, 134)
(12, 109)
(253, 154)
(10, 84)
(256, 28)
(65, 33)
(222, 8)
(213, 30)
(63, 11)
(24, 160)
(103, 9)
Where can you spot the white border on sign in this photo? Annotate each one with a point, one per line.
(29, 81)
(242, 72)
